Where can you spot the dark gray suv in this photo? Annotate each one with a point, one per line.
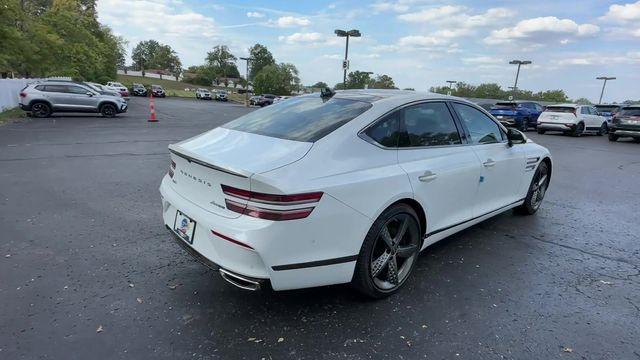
(44, 98)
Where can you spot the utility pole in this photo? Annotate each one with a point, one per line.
(345, 63)
(605, 78)
(519, 63)
(246, 85)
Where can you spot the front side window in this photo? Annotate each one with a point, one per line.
(482, 129)
(76, 90)
(429, 124)
(386, 132)
(303, 118)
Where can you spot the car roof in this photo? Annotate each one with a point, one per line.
(566, 105)
(375, 95)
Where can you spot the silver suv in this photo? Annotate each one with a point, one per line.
(44, 98)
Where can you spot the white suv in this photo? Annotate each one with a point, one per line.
(572, 119)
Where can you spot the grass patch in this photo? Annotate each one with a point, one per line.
(11, 114)
(173, 88)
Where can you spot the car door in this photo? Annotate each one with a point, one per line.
(57, 96)
(596, 118)
(502, 165)
(80, 100)
(442, 170)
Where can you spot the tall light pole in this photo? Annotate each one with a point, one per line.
(345, 63)
(246, 86)
(451, 82)
(605, 78)
(519, 63)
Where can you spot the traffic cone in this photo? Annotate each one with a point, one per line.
(152, 110)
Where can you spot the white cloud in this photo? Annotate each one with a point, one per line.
(389, 6)
(542, 30)
(306, 38)
(290, 21)
(432, 14)
(255, 14)
(629, 58)
(419, 41)
(484, 60)
(457, 19)
(623, 13)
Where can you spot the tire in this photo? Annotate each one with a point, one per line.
(613, 137)
(578, 130)
(108, 110)
(604, 128)
(541, 131)
(525, 125)
(383, 266)
(40, 110)
(537, 190)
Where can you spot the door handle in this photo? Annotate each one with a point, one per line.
(489, 163)
(427, 176)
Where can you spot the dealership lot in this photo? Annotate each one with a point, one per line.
(84, 249)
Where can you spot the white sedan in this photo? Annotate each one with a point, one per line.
(345, 187)
(572, 119)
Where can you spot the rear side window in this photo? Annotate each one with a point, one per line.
(630, 111)
(39, 88)
(482, 129)
(306, 118)
(429, 124)
(560, 109)
(56, 88)
(386, 132)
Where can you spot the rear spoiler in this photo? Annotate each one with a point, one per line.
(190, 157)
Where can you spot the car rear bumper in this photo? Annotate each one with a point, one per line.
(630, 132)
(25, 107)
(316, 251)
(556, 126)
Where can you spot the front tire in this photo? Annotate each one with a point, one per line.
(108, 110)
(537, 190)
(613, 137)
(541, 131)
(389, 252)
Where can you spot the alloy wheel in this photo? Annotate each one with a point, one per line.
(540, 184)
(394, 252)
(40, 110)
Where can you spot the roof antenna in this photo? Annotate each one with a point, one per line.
(327, 93)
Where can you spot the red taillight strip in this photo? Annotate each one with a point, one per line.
(224, 237)
(272, 199)
(268, 214)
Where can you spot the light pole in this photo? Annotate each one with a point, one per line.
(519, 63)
(451, 82)
(345, 64)
(605, 78)
(246, 85)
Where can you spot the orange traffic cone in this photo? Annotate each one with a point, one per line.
(152, 109)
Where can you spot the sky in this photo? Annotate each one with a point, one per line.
(420, 43)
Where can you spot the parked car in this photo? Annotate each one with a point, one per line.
(222, 95)
(280, 98)
(608, 111)
(103, 89)
(203, 94)
(254, 100)
(572, 119)
(124, 92)
(626, 123)
(519, 114)
(262, 197)
(45, 98)
(158, 91)
(265, 99)
(139, 90)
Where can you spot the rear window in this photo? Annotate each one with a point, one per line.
(602, 108)
(307, 118)
(560, 109)
(504, 105)
(630, 111)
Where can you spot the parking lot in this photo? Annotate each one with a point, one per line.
(88, 270)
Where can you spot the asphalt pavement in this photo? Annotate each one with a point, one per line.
(88, 271)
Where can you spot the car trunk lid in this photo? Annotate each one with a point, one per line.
(558, 114)
(227, 157)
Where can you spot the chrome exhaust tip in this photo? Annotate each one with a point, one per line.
(240, 281)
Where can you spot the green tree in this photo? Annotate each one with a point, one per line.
(261, 57)
(489, 91)
(583, 101)
(320, 84)
(554, 96)
(275, 79)
(382, 82)
(143, 53)
(357, 80)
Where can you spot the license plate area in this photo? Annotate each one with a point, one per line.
(184, 227)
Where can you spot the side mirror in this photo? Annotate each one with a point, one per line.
(89, 94)
(515, 137)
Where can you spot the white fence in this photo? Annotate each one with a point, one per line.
(149, 75)
(10, 90)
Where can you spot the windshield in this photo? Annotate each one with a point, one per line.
(560, 109)
(630, 111)
(93, 87)
(307, 118)
(605, 108)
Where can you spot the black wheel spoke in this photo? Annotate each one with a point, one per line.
(386, 237)
(392, 271)
(407, 250)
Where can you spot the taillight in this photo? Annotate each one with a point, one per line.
(291, 210)
(23, 94)
(172, 168)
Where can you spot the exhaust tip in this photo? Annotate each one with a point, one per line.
(240, 281)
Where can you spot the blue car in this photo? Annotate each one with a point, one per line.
(608, 111)
(521, 115)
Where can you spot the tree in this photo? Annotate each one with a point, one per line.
(261, 57)
(583, 101)
(143, 53)
(279, 79)
(557, 96)
(151, 54)
(320, 84)
(357, 80)
(382, 82)
(489, 91)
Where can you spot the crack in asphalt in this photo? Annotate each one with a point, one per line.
(83, 156)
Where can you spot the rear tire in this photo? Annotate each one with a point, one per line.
(613, 137)
(541, 131)
(537, 190)
(579, 130)
(525, 125)
(386, 261)
(108, 110)
(603, 129)
(40, 110)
